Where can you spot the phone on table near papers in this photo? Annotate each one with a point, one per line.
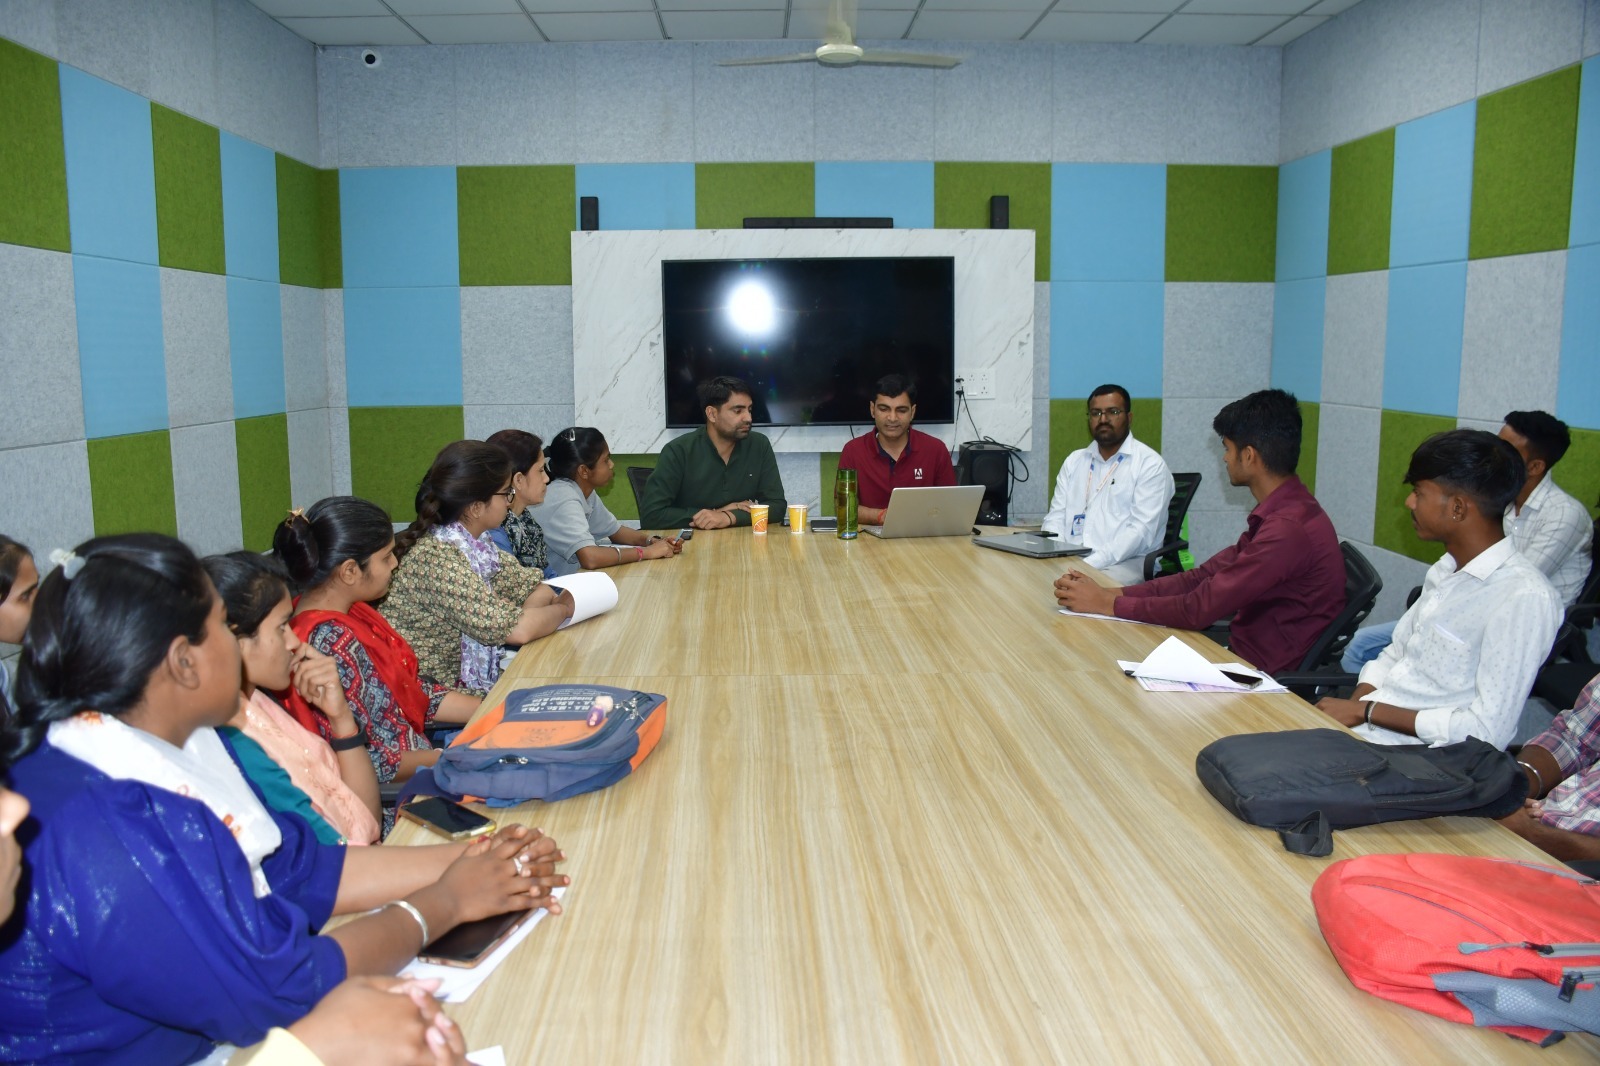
(446, 818)
(471, 942)
(1247, 680)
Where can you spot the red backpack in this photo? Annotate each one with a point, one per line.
(1500, 943)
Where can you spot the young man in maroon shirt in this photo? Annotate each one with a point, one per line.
(894, 455)
(1283, 581)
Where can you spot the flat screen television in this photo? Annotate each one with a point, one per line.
(810, 336)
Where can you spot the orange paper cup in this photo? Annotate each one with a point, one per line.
(758, 518)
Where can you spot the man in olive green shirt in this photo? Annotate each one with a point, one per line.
(709, 478)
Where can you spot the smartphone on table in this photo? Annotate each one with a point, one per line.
(685, 535)
(448, 819)
(471, 942)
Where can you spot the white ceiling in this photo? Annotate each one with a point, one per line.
(405, 22)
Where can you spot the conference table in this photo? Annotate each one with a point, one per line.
(906, 812)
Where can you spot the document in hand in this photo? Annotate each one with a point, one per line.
(593, 593)
(1176, 667)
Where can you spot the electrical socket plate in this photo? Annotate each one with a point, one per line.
(979, 384)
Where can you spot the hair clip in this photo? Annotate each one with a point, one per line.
(571, 435)
(295, 512)
(69, 563)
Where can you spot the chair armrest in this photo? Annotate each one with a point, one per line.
(1169, 548)
(1334, 679)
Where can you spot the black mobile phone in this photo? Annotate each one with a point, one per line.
(471, 942)
(685, 536)
(446, 818)
(1247, 680)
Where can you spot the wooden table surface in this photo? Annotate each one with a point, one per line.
(904, 812)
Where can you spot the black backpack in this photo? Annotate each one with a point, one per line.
(1307, 782)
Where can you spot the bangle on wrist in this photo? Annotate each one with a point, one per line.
(358, 739)
(1369, 705)
(1534, 770)
(618, 550)
(409, 908)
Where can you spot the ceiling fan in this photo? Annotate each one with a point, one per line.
(839, 48)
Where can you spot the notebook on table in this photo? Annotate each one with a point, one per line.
(938, 511)
(1032, 545)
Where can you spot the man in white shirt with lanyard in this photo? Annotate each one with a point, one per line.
(1112, 496)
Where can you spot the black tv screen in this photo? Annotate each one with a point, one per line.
(811, 336)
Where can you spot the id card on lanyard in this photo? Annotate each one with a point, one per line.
(1091, 492)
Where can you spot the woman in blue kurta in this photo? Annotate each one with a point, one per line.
(166, 908)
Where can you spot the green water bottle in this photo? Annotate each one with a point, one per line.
(844, 504)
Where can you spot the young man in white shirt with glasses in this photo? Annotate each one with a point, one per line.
(1112, 496)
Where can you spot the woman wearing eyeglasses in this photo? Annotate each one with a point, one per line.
(458, 599)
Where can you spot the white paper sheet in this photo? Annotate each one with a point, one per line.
(1103, 617)
(1176, 667)
(489, 1056)
(456, 983)
(593, 592)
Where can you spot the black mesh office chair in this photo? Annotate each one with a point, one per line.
(1569, 667)
(638, 477)
(1319, 671)
(1165, 559)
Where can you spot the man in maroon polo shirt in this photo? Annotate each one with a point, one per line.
(894, 455)
(1284, 579)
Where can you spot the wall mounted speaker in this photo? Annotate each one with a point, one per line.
(588, 213)
(999, 212)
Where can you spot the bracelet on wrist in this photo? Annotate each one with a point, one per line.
(1534, 770)
(358, 739)
(618, 550)
(640, 550)
(1369, 705)
(409, 908)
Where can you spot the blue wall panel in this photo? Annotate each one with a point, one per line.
(639, 195)
(901, 191)
(1432, 202)
(1422, 343)
(120, 348)
(111, 169)
(1304, 189)
(249, 209)
(1578, 391)
(399, 227)
(1108, 222)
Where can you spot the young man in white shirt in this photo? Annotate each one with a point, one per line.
(1112, 496)
(1464, 656)
(1551, 529)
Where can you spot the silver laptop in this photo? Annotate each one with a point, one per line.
(1032, 545)
(940, 511)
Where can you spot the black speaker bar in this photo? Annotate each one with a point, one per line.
(819, 223)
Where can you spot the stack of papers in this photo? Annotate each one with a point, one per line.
(456, 983)
(1176, 667)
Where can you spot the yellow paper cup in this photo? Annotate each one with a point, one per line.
(797, 517)
(758, 518)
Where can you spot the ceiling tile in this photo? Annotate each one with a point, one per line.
(317, 8)
(1332, 7)
(601, 26)
(972, 25)
(1035, 6)
(353, 30)
(1142, 7)
(1093, 28)
(476, 29)
(1292, 29)
(872, 5)
(576, 7)
(723, 25)
(407, 8)
(1213, 29)
(718, 5)
(807, 24)
(1246, 7)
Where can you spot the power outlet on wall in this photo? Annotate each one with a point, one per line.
(979, 384)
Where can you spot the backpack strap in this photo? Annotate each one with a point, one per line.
(1309, 836)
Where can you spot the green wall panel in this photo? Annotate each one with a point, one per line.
(515, 224)
(1069, 431)
(828, 470)
(33, 161)
(1310, 425)
(618, 496)
(961, 193)
(1359, 205)
(309, 252)
(1398, 436)
(264, 498)
(130, 484)
(725, 193)
(1222, 223)
(391, 449)
(188, 156)
(1579, 470)
(1522, 166)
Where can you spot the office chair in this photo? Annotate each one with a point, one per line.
(1165, 559)
(1319, 671)
(1569, 668)
(638, 477)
